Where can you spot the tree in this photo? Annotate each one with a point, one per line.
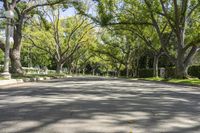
(24, 10)
(172, 20)
(121, 16)
(118, 48)
(183, 16)
(33, 57)
(60, 38)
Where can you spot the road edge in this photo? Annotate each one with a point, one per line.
(25, 80)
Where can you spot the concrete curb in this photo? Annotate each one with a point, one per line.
(12, 81)
(18, 81)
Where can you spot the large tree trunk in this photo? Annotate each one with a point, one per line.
(107, 73)
(127, 70)
(137, 67)
(181, 70)
(59, 67)
(15, 54)
(93, 72)
(118, 71)
(15, 57)
(183, 62)
(147, 62)
(155, 65)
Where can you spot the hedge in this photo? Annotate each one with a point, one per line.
(170, 72)
(193, 71)
(145, 73)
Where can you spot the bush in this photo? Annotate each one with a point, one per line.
(170, 72)
(145, 73)
(194, 71)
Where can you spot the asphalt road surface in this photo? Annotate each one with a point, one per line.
(99, 105)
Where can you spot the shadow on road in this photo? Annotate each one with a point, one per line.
(82, 105)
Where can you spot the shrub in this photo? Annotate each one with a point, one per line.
(194, 71)
(145, 73)
(170, 72)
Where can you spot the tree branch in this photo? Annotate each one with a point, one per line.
(195, 42)
(40, 5)
(190, 55)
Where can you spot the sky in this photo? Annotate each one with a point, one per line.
(69, 12)
(1, 6)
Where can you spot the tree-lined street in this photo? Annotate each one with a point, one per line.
(99, 66)
(99, 105)
(131, 38)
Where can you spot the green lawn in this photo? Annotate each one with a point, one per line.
(1, 78)
(191, 81)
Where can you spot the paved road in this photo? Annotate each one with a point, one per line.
(98, 105)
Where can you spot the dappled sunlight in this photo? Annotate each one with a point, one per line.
(99, 105)
(13, 126)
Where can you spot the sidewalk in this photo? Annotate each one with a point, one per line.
(11, 81)
(18, 81)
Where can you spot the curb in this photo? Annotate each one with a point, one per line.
(18, 81)
(12, 81)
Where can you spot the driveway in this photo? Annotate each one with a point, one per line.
(99, 105)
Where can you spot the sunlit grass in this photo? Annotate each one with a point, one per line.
(190, 81)
(1, 78)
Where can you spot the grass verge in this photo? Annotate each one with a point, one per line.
(1, 78)
(191, 81)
